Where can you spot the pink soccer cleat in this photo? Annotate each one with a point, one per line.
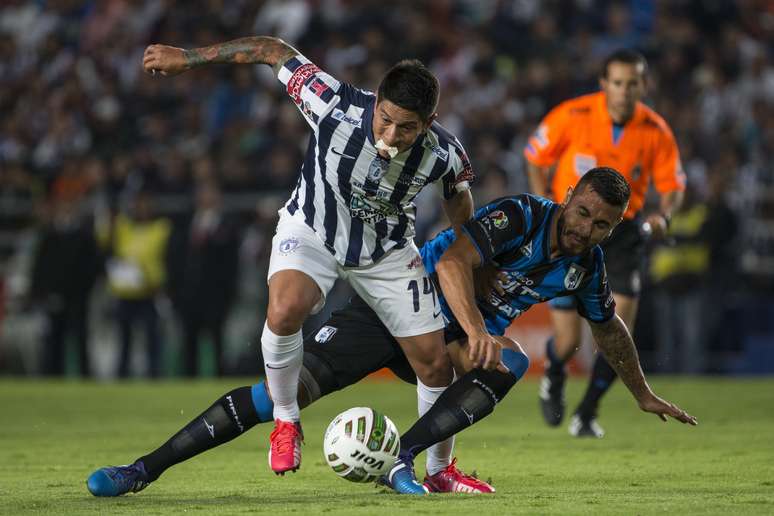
(285, 450)
(452, 480)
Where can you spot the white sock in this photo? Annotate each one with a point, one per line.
(283, 356)
(439, 455)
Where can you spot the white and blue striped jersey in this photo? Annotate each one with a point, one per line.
(358, 203)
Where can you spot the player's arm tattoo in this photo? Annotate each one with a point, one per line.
(616, 344)
(250, 50)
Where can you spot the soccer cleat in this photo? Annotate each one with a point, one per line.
(285, 449)
(552, 398)
(118, 480)
(401, 479)
(452, 480)
(585, 427)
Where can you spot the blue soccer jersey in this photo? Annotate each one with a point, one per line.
(514, 235)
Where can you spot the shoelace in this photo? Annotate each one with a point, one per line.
(458, 475)
(282, 438)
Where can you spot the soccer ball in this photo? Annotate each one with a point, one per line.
(361, 444)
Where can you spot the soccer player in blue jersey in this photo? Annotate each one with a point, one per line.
(351, 214)
(545, 250)
(542, 248)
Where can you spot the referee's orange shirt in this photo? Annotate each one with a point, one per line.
(577, 135)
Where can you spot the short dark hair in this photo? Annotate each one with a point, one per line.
(411, 86)
(608, 184)
(625, 55)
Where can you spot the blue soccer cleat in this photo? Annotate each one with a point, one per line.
(118, 480)
(401, 479)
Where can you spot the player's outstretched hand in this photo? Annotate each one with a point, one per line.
(484, 351)
(165, 59)
(662, 408)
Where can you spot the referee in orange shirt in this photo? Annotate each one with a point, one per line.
(610, 128)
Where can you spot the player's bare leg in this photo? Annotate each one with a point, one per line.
(292, 296)
(566, 325)
(584, 422)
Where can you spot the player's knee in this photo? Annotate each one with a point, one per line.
(286, 316)
(517, 362)
(436, 372)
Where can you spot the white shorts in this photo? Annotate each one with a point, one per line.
(397, 287)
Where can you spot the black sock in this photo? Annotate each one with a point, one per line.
(602, 377)
(555, 365)
(227, 418)
(469, 399)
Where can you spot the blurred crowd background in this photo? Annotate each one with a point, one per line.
(136, 212)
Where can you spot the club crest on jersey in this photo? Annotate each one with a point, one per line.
(498, 219)
(325, 334)
(574, 276)
(288, 245)
(377, 169)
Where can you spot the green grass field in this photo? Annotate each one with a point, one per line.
(52, 435)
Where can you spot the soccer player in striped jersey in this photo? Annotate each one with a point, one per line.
(610, 128)
(351, 214)
(544, 249)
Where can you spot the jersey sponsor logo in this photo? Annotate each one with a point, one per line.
(341, 153)
(584, 163)
(574, 276)
(437, 150)
(506, 309)
(343, 117)
(413, 180)
(371, 212)
(325, 334)
(519, 284)
(299, 78)
(288, 245)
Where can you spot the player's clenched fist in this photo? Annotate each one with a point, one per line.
(165, 59)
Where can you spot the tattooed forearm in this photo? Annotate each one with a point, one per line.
(617, 345)
(250, 50)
